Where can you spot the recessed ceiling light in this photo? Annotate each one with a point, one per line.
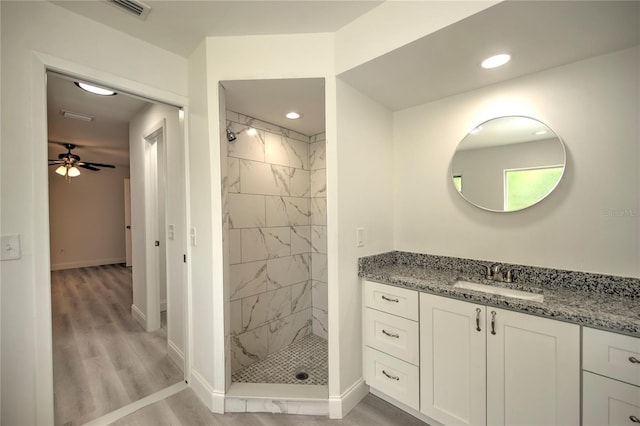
(95, 89)
(292, 115)
(540, 132)
(495, 61)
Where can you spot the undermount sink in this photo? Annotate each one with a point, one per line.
(501, 291)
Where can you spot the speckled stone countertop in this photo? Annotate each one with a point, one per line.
(606, 302)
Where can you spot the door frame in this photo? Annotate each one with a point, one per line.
(155, 227)
(40, 64)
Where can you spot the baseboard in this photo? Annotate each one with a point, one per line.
(139, 316)
(340, 406)
(308, 400)
(212, 399)
(86, 263)
(405, 408)
(176, 355)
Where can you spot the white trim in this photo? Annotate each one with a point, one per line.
(40, 63)
(116, 415)
(342, 405)
(405, 408)
(176, 355)
(212, 399)
(139, 316)
(87, 263)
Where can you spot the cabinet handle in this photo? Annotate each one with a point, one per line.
(634, 419)
(493, 322)
(397, 336)
(389, 300)
(390, 376)
(478, 319)
(634, 360)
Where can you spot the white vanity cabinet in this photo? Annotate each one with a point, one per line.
(484, 365)
(611, 378)
(391, 352)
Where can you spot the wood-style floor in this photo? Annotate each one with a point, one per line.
(184, 408)
(102, 358)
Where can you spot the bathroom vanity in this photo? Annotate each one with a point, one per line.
(458, 354)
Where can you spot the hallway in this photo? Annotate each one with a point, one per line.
(102, 358)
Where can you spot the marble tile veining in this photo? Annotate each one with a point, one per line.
(593, 300)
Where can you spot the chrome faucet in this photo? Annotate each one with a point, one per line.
(494, 272)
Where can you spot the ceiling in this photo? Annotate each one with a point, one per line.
(179, 26)
(103, 140)
(270, 100)
(538, 34)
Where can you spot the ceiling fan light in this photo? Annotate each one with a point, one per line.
(73, 171)
(62, 170)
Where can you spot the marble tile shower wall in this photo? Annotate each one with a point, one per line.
(277, 238)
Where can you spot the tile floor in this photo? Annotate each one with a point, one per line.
(308, 355)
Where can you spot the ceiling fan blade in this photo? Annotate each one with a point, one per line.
(89, 167)
(98, 164)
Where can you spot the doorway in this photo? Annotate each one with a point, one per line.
(102, 358)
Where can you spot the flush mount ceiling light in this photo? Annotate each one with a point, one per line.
(95, 89)
(76, 115)
(292, 115)
(496, 61)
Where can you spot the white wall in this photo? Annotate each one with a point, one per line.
(393, 24)
(232, 58)
(589, 223)
(86, 217)
(170, 152)
(69, 43)
(364, 187)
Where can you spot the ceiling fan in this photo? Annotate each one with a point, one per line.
(68, 163)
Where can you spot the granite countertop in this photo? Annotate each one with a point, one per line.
(600, 306)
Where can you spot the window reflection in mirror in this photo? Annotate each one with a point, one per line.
(508, 163)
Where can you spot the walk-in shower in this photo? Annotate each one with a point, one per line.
(276, 202)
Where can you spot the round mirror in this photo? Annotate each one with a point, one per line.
(508, 164)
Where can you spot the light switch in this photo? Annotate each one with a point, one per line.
(172, 232)
(360, 237)
(10, 247)
(194, 242)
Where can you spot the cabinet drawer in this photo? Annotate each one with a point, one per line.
(390, 299)
(612, 355)
(391, 334)
(609, 402)
(393, 377)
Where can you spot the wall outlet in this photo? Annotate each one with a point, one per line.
(360, 237)
(10, 247)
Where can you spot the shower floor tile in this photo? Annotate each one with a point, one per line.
(308, 355)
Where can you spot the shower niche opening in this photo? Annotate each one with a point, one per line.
(276, 231)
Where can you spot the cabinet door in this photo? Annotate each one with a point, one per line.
(452, 360)
(609, 402)
(533, 370)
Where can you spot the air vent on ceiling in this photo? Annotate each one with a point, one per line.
(134, 7)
